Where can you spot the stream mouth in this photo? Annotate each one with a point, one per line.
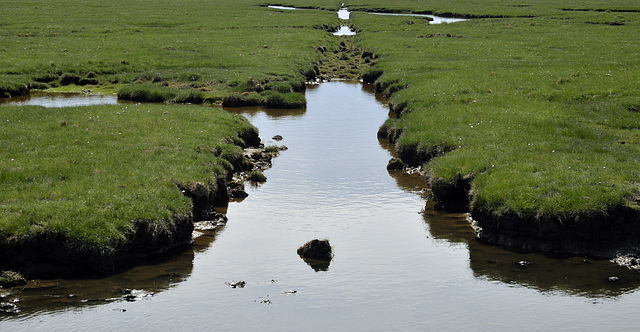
(282, 7)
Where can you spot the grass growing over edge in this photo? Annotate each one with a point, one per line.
(88, 177)
(536, 112)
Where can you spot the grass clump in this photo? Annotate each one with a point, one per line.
(256, 176)
(268, 98)
(11, 87)
(88, 180)
(159, 94)
(11, 279)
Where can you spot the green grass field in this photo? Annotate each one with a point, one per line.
(92, 173)
(214, 47)
(540, 108)
(535, 105)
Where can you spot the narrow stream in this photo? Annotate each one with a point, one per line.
(399, 265)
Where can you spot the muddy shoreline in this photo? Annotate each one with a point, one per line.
(612, 235)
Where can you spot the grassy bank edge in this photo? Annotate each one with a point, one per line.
(55, 249)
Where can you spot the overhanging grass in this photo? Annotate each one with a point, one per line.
(540, 111)
(91, 173)
(159, 94)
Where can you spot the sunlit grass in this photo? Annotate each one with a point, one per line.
(210, 46)
(90, 173)
(541, 112)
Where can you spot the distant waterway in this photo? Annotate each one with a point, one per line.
(434, 19)
(61, 99)
(399, 264)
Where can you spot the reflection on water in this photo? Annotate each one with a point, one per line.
(61, 100)
(250, 112)
(140, 282)
(316, 264)
(434, 19)
(345, 30)
(398, 264)
(344, 14)
(570, 276)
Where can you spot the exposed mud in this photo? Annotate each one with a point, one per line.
(612, 235)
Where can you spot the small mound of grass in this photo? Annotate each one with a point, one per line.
(11, 87)
(274, 99)
(256, 176)
(159, 94)
(11, 279)
(267, 98)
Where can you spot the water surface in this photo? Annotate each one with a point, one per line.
(345, 30)
(399, 265)
(434, 19)
(61, 99)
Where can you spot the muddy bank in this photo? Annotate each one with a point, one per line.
(599, 235)
(613, 234)
(610, 234)
(55, 254)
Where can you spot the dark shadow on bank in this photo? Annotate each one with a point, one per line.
(143, 281)
(573, 276)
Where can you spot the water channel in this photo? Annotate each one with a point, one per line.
(398, 265)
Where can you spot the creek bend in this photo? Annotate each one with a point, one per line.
(398, 265)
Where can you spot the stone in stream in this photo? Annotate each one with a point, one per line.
(316, 249)
(236, 284)
(317, 253)
(9, 308)
(395, 164)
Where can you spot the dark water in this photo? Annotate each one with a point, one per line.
(399, 265)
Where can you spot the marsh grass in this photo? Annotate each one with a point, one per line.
(93, 173)
(537, 108)
(11, 279)
(536, 104)
(268, 98)
(256, 176)
(160, 94)
(210, 46)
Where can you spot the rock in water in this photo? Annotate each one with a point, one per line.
(316, 249)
